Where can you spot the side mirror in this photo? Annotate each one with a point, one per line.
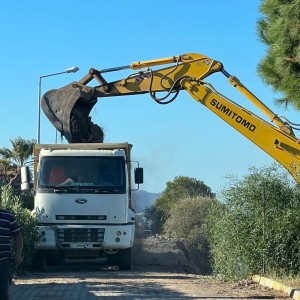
(25, 178)
(138, 175)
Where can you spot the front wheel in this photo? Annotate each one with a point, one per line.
(113, 259)
(125, 259)
(55, 259)
(39, 262)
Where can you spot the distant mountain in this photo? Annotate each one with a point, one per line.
(142, 199)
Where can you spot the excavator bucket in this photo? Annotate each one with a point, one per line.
(68, 109)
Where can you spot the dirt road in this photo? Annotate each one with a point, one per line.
(158, 283)
(160, 271)
(140, 283)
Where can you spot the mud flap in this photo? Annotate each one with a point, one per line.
(68, 109)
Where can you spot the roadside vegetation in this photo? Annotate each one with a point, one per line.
(180, 188)
(253, 228)
(13, 203)
(12, 199)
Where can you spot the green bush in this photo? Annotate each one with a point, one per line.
(180, 188)
(188, 220)
(256, 227)
(27, 199)
(188, 224)
(13, 203)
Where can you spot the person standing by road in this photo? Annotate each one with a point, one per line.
(9, 229)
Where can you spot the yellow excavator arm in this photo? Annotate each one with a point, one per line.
(68, 108)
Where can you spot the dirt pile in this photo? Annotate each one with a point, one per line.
(160, 251)
(83, 130)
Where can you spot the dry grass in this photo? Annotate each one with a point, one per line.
(293, 282)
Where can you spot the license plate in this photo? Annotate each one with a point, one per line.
(81, 246)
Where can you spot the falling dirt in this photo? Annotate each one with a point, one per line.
(83, 130)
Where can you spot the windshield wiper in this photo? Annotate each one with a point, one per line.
(64, 189)
(78, 189)
(106, 189)
(81, 189)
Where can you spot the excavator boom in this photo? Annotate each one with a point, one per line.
(68, 108)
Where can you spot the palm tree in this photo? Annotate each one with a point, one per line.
(21, 151)
(5, 169)
(12, 160)
(5, 165)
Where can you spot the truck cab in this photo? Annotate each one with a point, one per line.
(83, 202)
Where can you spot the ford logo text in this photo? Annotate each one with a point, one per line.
(81, 201)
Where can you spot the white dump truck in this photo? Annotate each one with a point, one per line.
(83, 202)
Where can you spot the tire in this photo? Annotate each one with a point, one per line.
(113, 259)
(39, 263)
(125, 259)
(55, 259)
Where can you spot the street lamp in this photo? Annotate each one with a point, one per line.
(69, 70)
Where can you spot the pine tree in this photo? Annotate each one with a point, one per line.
(279, 29)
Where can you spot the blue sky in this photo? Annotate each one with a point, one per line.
(182, 138)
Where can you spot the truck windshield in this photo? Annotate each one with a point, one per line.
(94, 174)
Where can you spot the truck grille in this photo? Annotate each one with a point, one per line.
(81, 218)
(80, 235)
